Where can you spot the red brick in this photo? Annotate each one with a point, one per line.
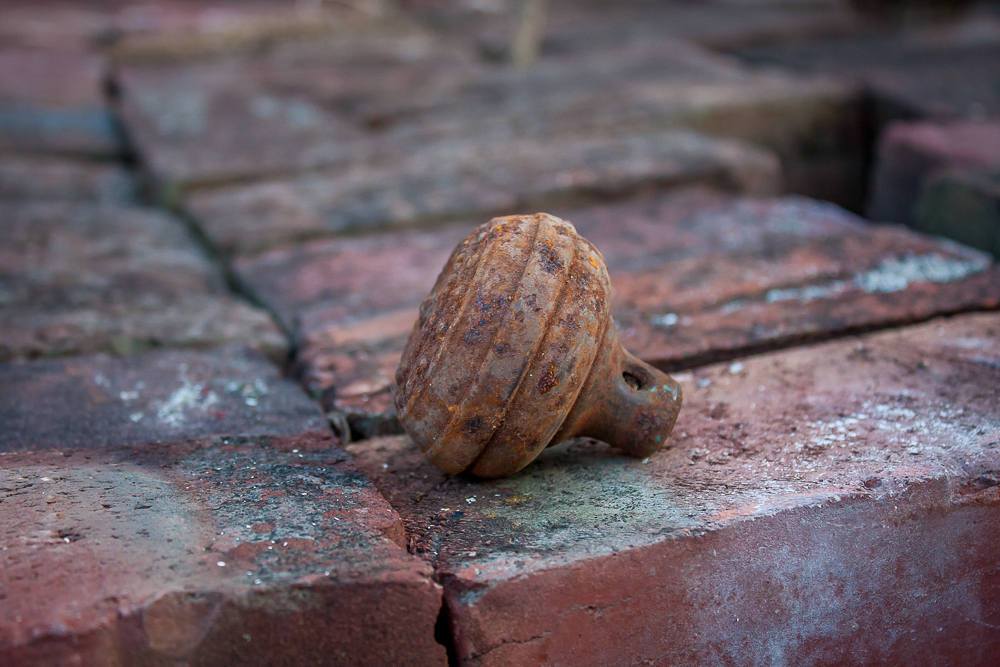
(698, 277)
(208, 123)
(302, 100)
(171, 29)
(160, 397)
(83, 278)
(911, 153)
(813, 125)
(941, 70)
(52, 101)
(379, 102)
(239, 552)
(963, 205)
(576, 28)
(54, 26)
(50, 178)
(471, 178)
(827, 504)
(175, 30)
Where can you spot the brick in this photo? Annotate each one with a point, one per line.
(814, 125)
(301, 100)
(911, 153)
(235, 552)
(363, 73)
(698, 276)
(51, 101)
(182, 121)
(49, 178)
(574, 28)
(76, 26)
(378, 102)
(179, 31)
(452, 180)
(161, 397)
(826, 504)
(963, 205)
(82, 278)
(909, 73)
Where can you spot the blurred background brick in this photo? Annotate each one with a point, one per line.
(472, 179)
(89, 278)
(910, 154)
(963, 205)
(220, 217)
(52, 101)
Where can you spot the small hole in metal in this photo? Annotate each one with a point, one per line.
(633, 380)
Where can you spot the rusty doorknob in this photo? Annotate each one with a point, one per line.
(515, 350)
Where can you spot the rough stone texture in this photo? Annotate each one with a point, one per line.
(62, 25)
(698, 277)
(202, 123)
(945, 70)
(160, 397)
(911, 153)
(472, 179)
(235, 552)
(574, 26)
(963, 205)
(84, 278)
(333, 106)
(176, 30)
(813, 125)
(50, 178)
(828, 504)
(181, 30)
(51, 101)
(205, 123)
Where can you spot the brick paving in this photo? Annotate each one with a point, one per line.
(29, 178)
(963, 205)
(220, 218)
(698, 275)
(80, 277)
(52, 101)
(847, 491)
(912, 154)
(457, 180)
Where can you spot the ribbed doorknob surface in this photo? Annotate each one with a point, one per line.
(515, 350)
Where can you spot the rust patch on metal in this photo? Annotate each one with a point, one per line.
(514, 351)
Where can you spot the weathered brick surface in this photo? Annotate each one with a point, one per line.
(391, 97)
(51, 101)
(202, 123)
(96, 402)
(236, 552)
(828, 504)
(84, 278)
(78, 26)
(193, 506)
(207, 123)
(911, 153)
(963, 205)
(52, 178)
(472, 178)
(575, 27)
(698, 277)
(812, 124)
(174, 29)
(179, 31)
(946, 70)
